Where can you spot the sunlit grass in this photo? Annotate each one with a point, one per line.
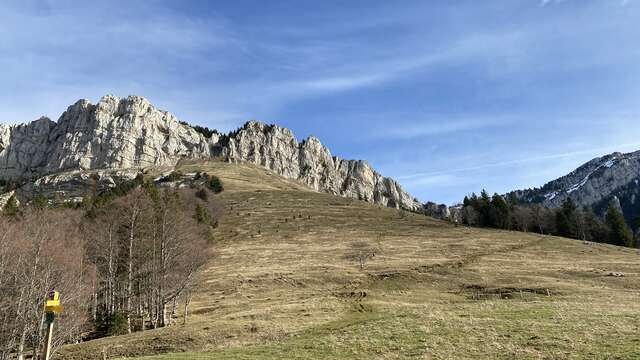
(280, 286)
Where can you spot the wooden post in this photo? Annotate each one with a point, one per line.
(47, 345)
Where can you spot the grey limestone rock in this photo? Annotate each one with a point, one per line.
(130, 133)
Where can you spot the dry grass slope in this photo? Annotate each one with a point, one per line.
(283, 285)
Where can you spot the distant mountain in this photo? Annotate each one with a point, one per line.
(594, 184)
(130, 133)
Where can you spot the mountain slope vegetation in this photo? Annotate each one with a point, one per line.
(300, 274)
(594, 185)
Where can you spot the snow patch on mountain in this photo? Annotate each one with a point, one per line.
(552, 195)
(577, 186)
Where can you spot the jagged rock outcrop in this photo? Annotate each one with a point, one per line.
(438, 211)
(131, 133)
(310, 162)
(113, 134)
(72, 186)
(24, 148)
(4, 199)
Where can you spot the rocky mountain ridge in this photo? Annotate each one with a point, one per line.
(594, 184)
(130, 133)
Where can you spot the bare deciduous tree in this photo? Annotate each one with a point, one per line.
(470, 216)
(522, 218)
(361, 252)
(543, 219)
(131, 260)
(47, 253)
(133, 207)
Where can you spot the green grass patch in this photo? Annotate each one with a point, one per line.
(358, 336)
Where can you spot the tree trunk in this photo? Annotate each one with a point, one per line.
(94, 310)
(130, 272)
(187, 300)
(110, 297)
(174, 308)
(163, 314)
(21, 347)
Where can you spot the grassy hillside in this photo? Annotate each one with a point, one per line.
(286, 283)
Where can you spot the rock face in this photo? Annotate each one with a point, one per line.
(277, 149)
(438, 211)
(131, 133)
(24, 148)
(115, 133)
(72, 186)
(4, 198)
(595, 184)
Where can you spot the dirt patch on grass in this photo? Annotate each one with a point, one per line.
(352, 295)
(289, 281)
(480, 292)
(205, 310)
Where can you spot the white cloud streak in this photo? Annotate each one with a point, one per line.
(595, 151)
(488, 46)
(438, 125)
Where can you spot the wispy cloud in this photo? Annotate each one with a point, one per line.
(488, 47)
(451, 81)
(594, 151)
(550, 2)
(432, 181)
(430, 126)
(61, 52)
(341, 83)
(547, 2)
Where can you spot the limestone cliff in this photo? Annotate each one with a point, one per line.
(310, 162)
(115, 133)
(130, 133)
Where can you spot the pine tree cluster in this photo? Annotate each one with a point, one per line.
(567, 221)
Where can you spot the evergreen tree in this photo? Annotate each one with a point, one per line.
(513, 199)
(40, 202)
(474, 202)
(202, 215)
(11, 208)
(499, 213)
(619, 232)
(566, 222)
(636, 237)
(466, 202)
(484, 208)
(595, 229)
(484, 197)
(215, 184)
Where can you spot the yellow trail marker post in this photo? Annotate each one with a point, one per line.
(52, 307)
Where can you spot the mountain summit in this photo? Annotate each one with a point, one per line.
(594, 184)
(130, 133)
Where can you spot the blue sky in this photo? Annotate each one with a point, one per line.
(448, 97)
